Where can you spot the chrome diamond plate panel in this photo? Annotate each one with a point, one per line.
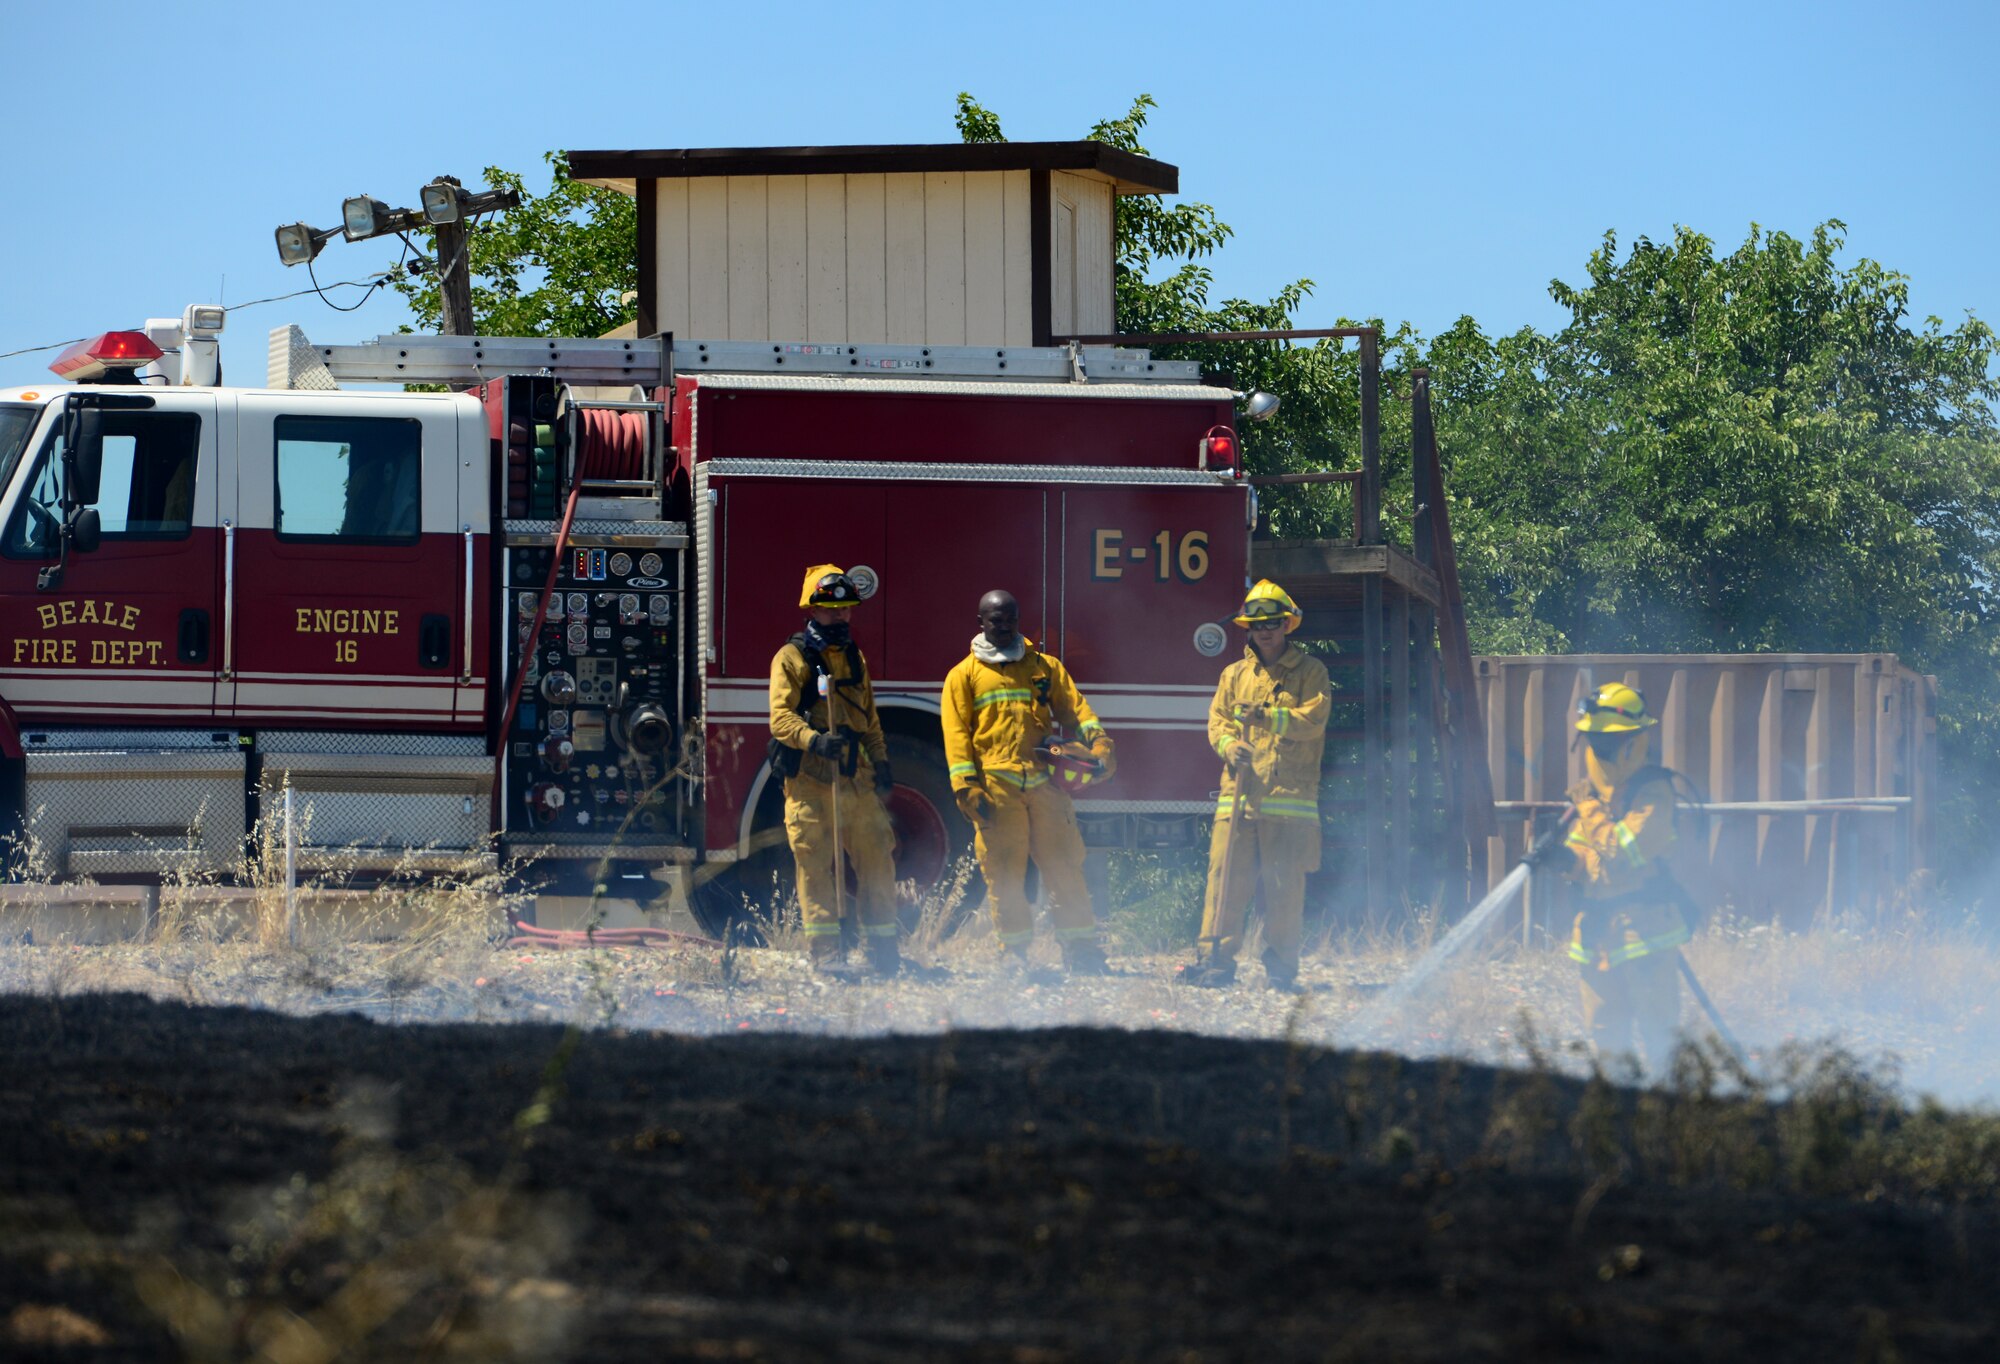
(137, 811)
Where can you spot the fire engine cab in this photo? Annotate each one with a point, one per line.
(534, 617)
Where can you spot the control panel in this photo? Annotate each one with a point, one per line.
(591, 755)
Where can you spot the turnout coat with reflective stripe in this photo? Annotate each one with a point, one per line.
(1287, 747)
(1621, 839)
(995, 715)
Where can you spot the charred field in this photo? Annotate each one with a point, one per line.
(211, 1182)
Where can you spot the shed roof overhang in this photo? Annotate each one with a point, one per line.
(1127, 172)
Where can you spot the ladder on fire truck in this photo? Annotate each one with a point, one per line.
(294, 362)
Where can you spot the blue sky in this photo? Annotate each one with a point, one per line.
(1415, 168)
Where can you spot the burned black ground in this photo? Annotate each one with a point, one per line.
(217, 1182)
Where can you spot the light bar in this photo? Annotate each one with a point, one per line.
(93, 359)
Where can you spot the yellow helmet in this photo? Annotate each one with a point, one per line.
(1613, 708)
(1266, 600)
(829, 585)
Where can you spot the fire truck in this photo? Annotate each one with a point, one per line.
(531, 615)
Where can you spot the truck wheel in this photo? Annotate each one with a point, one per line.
(932, 837)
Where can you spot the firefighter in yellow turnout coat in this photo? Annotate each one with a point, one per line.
(1268, 724)
(1626, 941)
(1000, 704)
(821, 742)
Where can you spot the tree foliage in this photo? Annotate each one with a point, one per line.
(563, 263)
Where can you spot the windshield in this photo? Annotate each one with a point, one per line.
(17, 423)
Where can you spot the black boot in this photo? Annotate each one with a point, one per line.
(1214, 973)
(1279, 976)
(829, 962)
(1085, 958)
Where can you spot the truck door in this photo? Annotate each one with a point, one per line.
(130, 635)
(347, 561)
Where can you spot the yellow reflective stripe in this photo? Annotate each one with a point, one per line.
(879, 930)
(1026, 781)
(963, 769)
(1646, 947)
(1271, 807)
(1221, 745)
(822, 930)
(1016, 939)
(1630, 843)
(1281, 720)
(1576, 952)
(996, 696)
(1090, 729)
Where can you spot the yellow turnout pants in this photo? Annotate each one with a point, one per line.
(1630, 969)
(1038, 823)
(1281, 851)
(866, 842)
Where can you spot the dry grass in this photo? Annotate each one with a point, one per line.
(1914, 996)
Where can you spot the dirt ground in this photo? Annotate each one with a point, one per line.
(730, 1160)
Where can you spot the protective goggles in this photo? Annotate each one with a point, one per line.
(1263, 609)
(1587, 706)
(835, 589)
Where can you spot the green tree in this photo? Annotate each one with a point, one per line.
(563, 263)
(1757, 450)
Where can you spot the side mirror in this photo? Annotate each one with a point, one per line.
(86, 530)
(87, 456)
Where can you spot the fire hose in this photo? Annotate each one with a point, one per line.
(533, 935)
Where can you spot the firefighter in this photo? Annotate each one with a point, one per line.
(1000, 705)
(1626, 941)
(1268, 725)
(830, 751)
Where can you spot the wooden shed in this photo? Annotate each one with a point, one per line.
(954, 244)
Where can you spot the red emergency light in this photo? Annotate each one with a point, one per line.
(1218, 448)
(102, 355)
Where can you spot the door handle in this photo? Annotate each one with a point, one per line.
(193, 646)
(434, 641)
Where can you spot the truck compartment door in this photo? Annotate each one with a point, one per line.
(350, 541)
(1144, 568)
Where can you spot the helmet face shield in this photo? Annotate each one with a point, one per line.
(1269, 602)
(830, 587)
(1613, 708)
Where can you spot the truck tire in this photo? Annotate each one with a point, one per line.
(932, 841)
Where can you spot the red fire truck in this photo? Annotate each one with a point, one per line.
(534, 618)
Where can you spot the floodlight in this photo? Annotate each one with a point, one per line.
(442, 202)
(362, 217)
(1259, 407)
(203, 320)
(298, 243)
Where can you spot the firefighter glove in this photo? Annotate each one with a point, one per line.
(974, 803)
(1100, 749)
(827, 744)
(1239, 754)
(883, 780)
